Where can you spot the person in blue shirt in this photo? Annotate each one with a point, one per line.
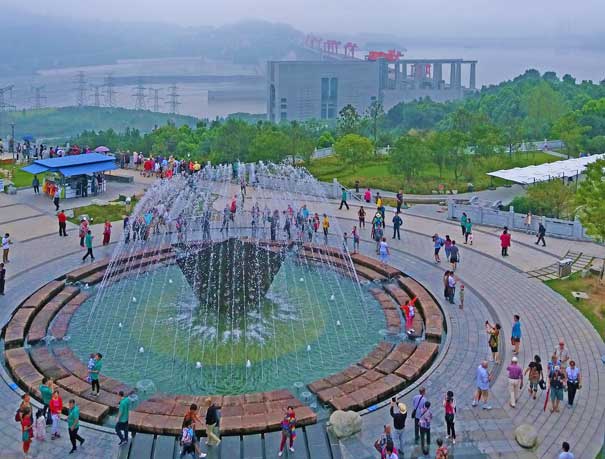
(438, 242)
(515, 338)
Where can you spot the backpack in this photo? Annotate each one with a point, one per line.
(187, 437)
(18, 415)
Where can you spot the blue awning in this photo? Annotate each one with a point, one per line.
(88, 168)
(35, 168)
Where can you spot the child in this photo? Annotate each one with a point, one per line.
(345, 242)
(91, 365)
(187, 440)
(40, 426)
(461, 305)
(470, 238)
(441, 452)
(355, 234)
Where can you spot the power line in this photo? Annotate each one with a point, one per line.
(81, 88)
(139, 96)
(173, 99)
(38, 97)
(156, 98)
(96, 94)
(110, 93)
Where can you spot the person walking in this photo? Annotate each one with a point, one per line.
(397, 222)
(449, 406)
(527, 222)
(212, 423)
(494, 340)
(6, 245)
(56, 198)
(515, 336)
(437, 244)
(562, 354)
(36, 185)
(88, 243)
(442, 452)
(383, 251)
(447, 246)
(426, 417)
(418, 402)
(73, 424)
(482, 380)
(534, 375)
(357, 186)
(123, 414)
(326, 227)
(2, 278)
(288, 426)
(574, 382)
(56, 407)
(106, 232)
(27, 430)
(556, 380)
(193, 420)
(454, 255)
(399, 413)
(361, 213)
(62, 223)
(505, 242)
(541, 234)
(451, 287)
(461, 296)
(463, 220)
(95, 372)
(83, 231)
(468, 231)
(515, 381)
(343, 199)
(565, 453)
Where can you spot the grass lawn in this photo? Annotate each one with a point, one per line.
(18, 177)
(377, 173)
(98, 214)
(594, 307)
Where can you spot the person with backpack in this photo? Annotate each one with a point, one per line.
(187, 440)
(192, 420)
(442, 452)
(535, 376)
(437, 244)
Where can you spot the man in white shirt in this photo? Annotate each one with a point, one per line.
(6, 242)
(562, 355)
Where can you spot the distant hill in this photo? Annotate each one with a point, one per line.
(58, 124)
(29, 42)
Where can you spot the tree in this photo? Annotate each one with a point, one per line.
(438, 144)
(326, 140)
(590, 198)
(233, 140)
(408, 154)
(374, 115)
(353, 149)
(597, 144)
(348, 120)
(543, 106)
(570, 132)
(269, 144)
(486, 138)
(301, 143)
(553, 198)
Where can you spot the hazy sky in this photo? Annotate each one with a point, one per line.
(401, 17)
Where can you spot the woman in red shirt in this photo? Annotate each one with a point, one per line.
(505, 241)
(56, 406)
(107, 232)
(27, 432)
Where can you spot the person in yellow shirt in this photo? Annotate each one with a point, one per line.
(326, 226)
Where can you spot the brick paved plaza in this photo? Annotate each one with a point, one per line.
(495, 291)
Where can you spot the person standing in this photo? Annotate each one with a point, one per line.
(397, 222)
(46, 392)
(356, 239)
(505, 242)
(494, 341)
(515, 381)
(399, 198)
(326, 227)
(2, 278)
(83, 231)
(574, 382)
(399, 413)
(56, 407)
(463, 220)
(556, 380)
(36, 185)
(515, 337)
(357, 186)
(534, 374)
(361, 213)
(95, 372)
(212, 423)
(27, 430)
(6, 244)
(451, 284)
(565, 453)
(482, 379)
(468, 231)
(449, 406)
(56, 198)
(343, 199)
(442, 452)
(541, 234)
(562, 355)
(62, 223)
(527, 222)
(461, 296)
(288, 426)
(106, 232)
(122, 424)
(384, 251)
(447, 246)
(367, 196)
(454, 255)
(88, 243)
(437, 244)
(418, 402)
(73, 424)
(426, 417)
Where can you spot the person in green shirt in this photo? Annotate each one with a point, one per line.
(46, 391)
(88, 244)
(73, 423)
(122, 424)
(343, 199)
(94, 374)
(463, 220)
(469, 231)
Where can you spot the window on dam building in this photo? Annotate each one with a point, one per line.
(329, 97)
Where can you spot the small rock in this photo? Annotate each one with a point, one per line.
(345, 423)
(526, 435)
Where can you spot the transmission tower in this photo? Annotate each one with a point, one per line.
(173, 99)
(38, 97)
(156, 98)
(139, 96)
(81, 89)
(5, 106)
(96, 94)
(110, 92)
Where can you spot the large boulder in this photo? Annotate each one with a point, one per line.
(526, 435)
(345, 423)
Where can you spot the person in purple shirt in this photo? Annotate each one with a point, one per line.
(417, 404)
(515, 381)
(426, 417)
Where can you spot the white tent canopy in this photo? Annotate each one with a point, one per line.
(547, 171)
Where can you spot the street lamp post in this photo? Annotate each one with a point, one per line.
(11, 144)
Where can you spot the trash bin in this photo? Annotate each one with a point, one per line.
(565, 267)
